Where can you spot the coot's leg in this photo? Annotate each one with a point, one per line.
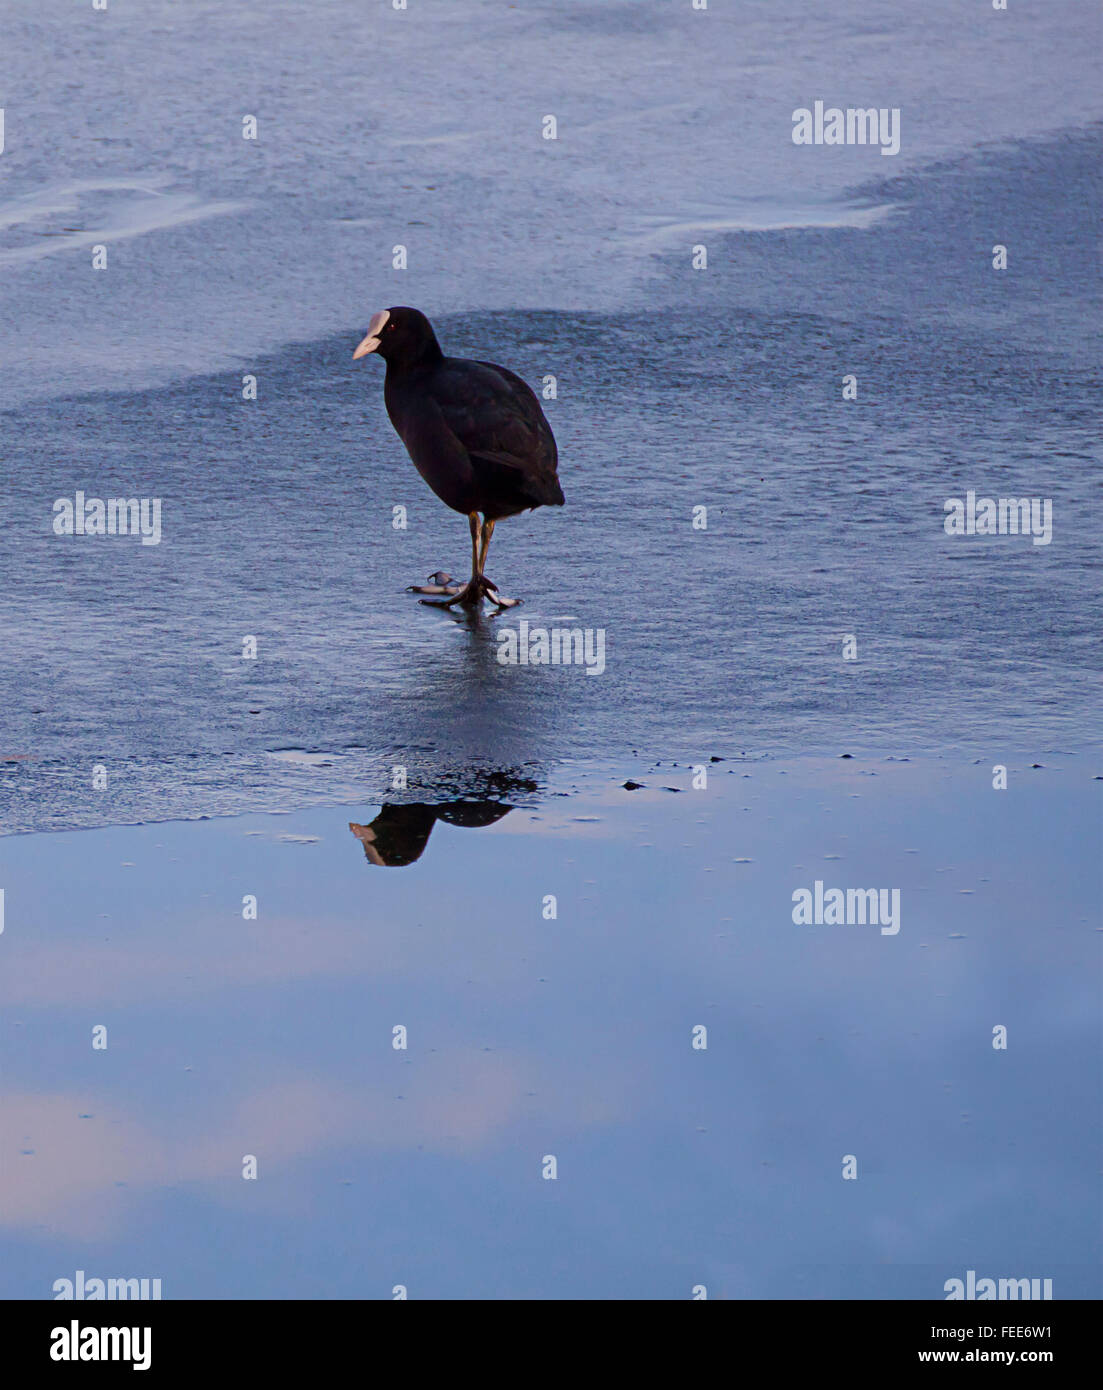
(471, 592)
(489, 588)
(484, 543)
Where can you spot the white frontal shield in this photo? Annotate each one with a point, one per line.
(371, 340)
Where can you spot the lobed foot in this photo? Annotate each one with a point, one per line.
(452, 592)
(491, 591)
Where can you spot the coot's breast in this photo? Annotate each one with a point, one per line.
(434, 449)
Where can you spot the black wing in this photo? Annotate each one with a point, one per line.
(498, 420)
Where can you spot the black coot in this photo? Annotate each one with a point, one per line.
(475, 432)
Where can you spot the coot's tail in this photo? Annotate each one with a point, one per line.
(553, 494)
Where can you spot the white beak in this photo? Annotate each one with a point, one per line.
(371, 342)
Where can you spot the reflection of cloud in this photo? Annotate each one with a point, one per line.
(72, 972)
(457, 1104)
(71, 1161)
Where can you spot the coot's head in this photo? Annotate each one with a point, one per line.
(400, 336)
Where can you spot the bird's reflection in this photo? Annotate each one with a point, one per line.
(399, 833)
